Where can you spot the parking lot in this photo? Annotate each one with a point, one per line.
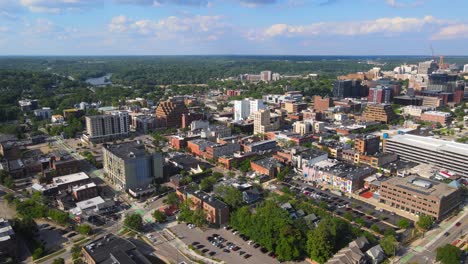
(340, 205)
(198, 239)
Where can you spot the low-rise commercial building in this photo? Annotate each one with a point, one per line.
(267, 166)
(437, 117)
(418, 196)
(378, 112)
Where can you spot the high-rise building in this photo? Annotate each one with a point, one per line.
(101, 128)
(379, 95)
(419, 196)
(442, 82)
(303, 127)
(427, 67)
(245, 108)
(294, 107)
(264, 123)
(439, 153)
(170, 113)
(129, 165)
(465, 68)
(265, 76)
(349, 88)
(378, 112)
(275, 77)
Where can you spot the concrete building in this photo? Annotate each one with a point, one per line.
(415, 110)
(112, 249)
(245, 108)
(263, 145)
(294, 107)
(349, 89)
(265, 76)
(380, 95)
(27, 105)
(443, 118)
(144, 123)
(418, 196)
(129, 166)
(8, 242)
(443, 154)
(378, 112)
(427, 67)
(215, 210)
(263, 122)
(170, 113)
(102, 128)
(43, 113)
(465, 68)
(303, 127)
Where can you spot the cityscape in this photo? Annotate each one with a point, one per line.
(139, 145)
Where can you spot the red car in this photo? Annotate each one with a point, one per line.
(458, 224)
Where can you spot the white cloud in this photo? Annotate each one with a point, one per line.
(187, 27)
(57, 6)
(452, 32)
(353, 28)
(4, 29)
(404, 3)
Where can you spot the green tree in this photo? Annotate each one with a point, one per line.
(159, 216)
(171, 199)
(425, 222)
(58, 261)
(320, 244)
(360, 221)
(375, 228)
(76, 252)
(449, 254)
(286, 247)
(403, 223)
(230, 195)
(38, 252)
(134, 221)
(348, 216)
(84, 229)
(389, 245)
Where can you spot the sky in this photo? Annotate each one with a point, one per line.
(238, 27)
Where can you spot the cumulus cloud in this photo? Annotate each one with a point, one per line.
(57, 6)
(382, 25)
(404, 3)
(186, 27)
(452, 32)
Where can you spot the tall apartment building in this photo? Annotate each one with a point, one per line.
(129, 166)
(102, 128)
(244, 108)
(294, 107)
(439, 153)
(264, 123)
(367, 144)
(303, 127)
(442, 82)
(427, 67)
(378, 112)
(170, 113)
(380, 95)
(265, 76)
(465, 68)
(321, 104)
(419, 196)
(437, 117)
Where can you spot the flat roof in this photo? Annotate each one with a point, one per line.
(127, 150)
(431, 144)
(70, 178)
(90, 202)
(435, 188)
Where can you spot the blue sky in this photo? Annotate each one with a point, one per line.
(296, 27)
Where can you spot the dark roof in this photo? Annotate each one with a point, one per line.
(188, 162)
(110, 248)
(268, 163)
(206, 198)
(127, 150)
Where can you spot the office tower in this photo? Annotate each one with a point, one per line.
(349, 88)
(264, 123)
(129, 166)
(367, 144)
(379, 95)
(170, 113)
(244, 108)
(103, 128)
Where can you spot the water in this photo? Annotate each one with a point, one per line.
(103, 80)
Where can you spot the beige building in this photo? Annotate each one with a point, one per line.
(102, 128)
(263, 122)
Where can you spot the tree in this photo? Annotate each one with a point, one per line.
(389, 245)
(348, 216)
(76, 252)
(403, 223)
(375, 228)
(449, 254)
(319, 245)
(360, 221)
(230, 195)
(134, 221)
(425, 222)
(171, 199)
(58, 261)
(286, 248)
(84, 229)
(38, 252)
(159, 216)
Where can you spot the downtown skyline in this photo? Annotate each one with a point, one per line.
(262, 27)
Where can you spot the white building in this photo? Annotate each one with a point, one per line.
(265, 76)
(44, 113)
(465, 68)
(415, 110)
(303, 127)
(244, 108)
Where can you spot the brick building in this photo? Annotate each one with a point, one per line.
(378, 112)
(321, 104)
(368, 144)
(170, 112)
(437, 117)
(266, 166)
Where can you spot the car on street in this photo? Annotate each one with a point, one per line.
(457, 224)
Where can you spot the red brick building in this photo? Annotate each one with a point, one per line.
(321, 104)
